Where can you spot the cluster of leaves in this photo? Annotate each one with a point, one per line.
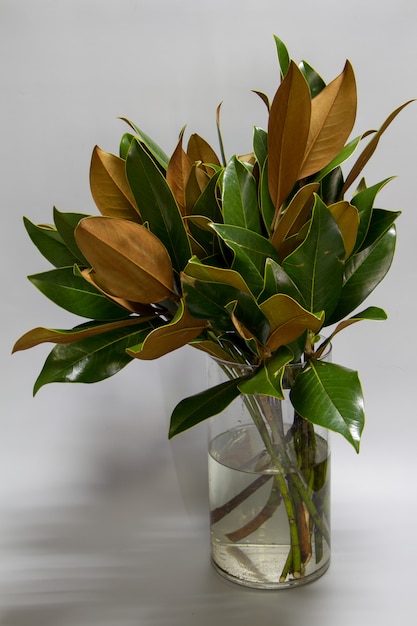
(247, 259)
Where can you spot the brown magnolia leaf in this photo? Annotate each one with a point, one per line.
(169, 337)
(129, 261)
(370, 148)
(347, 218)
(40, 335)
(134, 307)
(288, 128)
(333, 113)
(178, 171)
(295, 215)
(198, 150)
(288, 320)
(263, 97)
(197, 181)
(109, 186)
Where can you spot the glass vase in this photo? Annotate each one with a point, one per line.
(269, 489)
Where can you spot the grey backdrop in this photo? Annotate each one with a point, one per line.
(102, 520)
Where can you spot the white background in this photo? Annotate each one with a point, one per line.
(102, 520)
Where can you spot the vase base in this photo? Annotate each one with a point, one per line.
(272, 585)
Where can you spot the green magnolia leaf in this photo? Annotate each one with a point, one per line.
(276, 281)
(66, 223)
(329, 395)
(152, 147)
(267, 379)
(363, 272)
(260, 145)
(265, 201)
(381, 222)
(316, 266)
(92, 359)
(314, 80)
(283, 55)
(74, 294)
(197, 408)
(364, 202)
(254, 245)
(157, 205)
(125, 142)
(50, 244)
(208, 301)
(240, 201)
(249, 319)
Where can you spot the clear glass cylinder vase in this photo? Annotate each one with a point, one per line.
(269, 489)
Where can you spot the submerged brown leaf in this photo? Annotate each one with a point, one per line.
(129, 261)
(288, 128)
(109, 186)
(333, 113)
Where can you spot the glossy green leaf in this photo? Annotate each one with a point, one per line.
(283, 55)
(208, 300)
(331, 396)
(316, 266)
(364, 202)
(195, 409)
(276, 280)
(239, 197)
(254, 245)
(66, 223)
(260, 145)
(265, 200)
(267, 379)
(157, 205)
(249, 319)
(314, 80)
(74, 294)
(92, 359)
(364, 271)
(50, 244)
(381, 222)
(152, 147)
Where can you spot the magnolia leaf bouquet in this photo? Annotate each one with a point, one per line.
(248, 258)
